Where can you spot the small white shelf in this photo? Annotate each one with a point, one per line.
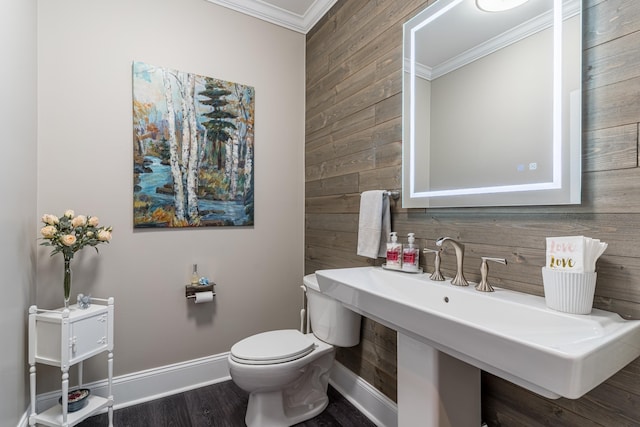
(53, 416)
(66, 337)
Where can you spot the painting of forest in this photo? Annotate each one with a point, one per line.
(192, 149)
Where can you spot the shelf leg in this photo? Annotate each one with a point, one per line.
(32, 362)
(32, 387)
(65, 396)
(109, 384)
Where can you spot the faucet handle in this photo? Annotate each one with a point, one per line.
(484, 285)
(436, 275)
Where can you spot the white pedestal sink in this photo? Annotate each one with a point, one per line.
(447, 334)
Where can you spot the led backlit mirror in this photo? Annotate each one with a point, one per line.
(492, 105)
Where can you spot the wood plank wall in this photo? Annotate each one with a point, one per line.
(353, 144)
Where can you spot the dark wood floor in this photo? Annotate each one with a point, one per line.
(223, 405)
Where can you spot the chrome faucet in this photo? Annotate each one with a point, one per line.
(459, 280)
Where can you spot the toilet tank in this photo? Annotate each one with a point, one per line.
(331, 322)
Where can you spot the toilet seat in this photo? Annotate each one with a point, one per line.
(272, 347)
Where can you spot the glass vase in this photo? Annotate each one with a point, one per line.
(67, 282)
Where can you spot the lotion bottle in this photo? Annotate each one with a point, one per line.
(394, 252)
(194, 275)
(410, 255)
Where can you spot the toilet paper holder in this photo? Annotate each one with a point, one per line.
(190, 291)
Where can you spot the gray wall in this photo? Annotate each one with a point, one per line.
(18, 194)
(67, 131)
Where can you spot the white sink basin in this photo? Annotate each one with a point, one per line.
(510, 334)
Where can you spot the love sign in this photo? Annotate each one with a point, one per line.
(566, 253)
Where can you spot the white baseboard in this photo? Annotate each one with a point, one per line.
(151, 384)
(24, 420)
(381, 410)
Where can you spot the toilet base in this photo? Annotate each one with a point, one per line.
(303, 399)
(267, 410)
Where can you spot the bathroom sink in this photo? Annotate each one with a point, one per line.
(509, 334)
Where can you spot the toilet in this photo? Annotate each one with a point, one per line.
(286, 372)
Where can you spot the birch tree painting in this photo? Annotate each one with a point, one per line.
(192, 149)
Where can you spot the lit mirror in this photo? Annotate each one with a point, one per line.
(492, 104)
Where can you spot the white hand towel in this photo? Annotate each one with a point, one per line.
(374, 224)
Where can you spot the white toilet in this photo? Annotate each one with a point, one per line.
(286, 372)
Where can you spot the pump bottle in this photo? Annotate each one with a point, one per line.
(394, 252)
(410, 255)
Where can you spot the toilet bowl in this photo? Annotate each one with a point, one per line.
(286, 372)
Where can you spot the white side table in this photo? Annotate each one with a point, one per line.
(65, 337)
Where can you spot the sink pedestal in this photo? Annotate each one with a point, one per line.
(435, 389)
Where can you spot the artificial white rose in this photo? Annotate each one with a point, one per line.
(93, 221)
(79, 221)
(69, 213)
(104, 235)
(50, 219)
(68, 239)
(48, 231)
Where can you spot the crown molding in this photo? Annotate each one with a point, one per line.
(276, 15)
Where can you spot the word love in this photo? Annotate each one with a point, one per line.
(561, 247)
(561, 262)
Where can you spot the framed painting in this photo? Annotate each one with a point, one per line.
(192, 150)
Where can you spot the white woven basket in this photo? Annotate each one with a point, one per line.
(569, 292)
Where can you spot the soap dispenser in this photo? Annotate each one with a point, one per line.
(394, 252)
(410, 255)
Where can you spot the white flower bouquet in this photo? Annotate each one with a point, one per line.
(70, 233)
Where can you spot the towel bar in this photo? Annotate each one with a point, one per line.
(394, 194)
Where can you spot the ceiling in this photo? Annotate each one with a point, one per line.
(296, 15)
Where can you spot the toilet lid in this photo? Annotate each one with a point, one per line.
(272, 347)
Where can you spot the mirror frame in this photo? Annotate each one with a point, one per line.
(565, 188)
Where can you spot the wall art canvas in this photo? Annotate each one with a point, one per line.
(192, 149)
